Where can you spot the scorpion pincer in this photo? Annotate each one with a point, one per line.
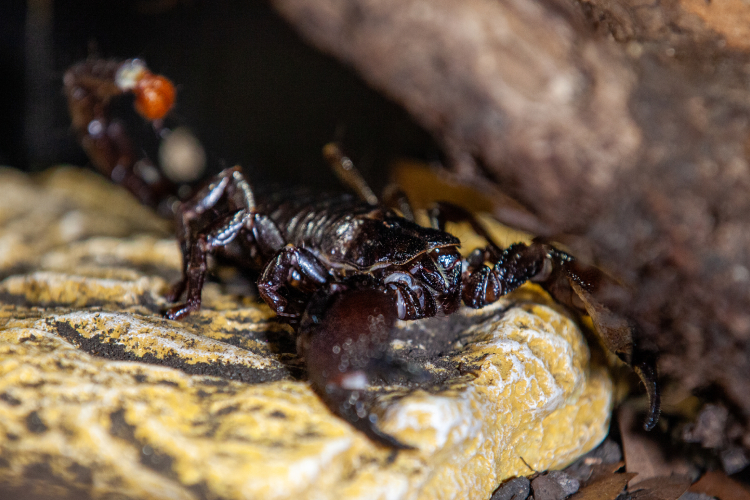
(342, 270)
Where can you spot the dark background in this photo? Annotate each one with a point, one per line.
(249, 88)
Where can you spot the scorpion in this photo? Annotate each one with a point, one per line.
(340, 269)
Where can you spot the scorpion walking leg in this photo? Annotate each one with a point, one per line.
(347, 172)
(444, 212)
(194, 274)
(395, 197)
(344, 168)
(188, 213)
(197, 243)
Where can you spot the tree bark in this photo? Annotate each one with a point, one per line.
(621, 124)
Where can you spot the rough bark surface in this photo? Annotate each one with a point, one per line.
(622, 124)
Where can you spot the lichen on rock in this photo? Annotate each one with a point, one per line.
(101, 396)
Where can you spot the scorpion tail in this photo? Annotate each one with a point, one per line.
(343, 336)
(91, 87)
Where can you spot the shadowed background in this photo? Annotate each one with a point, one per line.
(248, 87)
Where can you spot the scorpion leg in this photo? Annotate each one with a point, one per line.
(194, 274)
(289, 279)
(347, 172)
(197, 242)
(342, 338)
(188, 214)
(395, 197)
(601, 297)
(583, 288)
(344, 168)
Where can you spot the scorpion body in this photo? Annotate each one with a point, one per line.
(340, 269)
(300, 241)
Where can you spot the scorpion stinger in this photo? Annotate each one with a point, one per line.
(90, 87)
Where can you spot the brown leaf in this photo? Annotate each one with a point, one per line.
(603, 460)
(718, 484)
(661, 488)
(643, 454)
(601, 470)
(605, 488)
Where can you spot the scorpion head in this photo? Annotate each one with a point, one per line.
(420, 265)
(428, 284)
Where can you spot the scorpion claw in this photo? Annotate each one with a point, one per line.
(343, 336)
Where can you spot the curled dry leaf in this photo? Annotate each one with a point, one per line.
(607, 487)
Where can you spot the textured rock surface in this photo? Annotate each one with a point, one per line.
(100, 396)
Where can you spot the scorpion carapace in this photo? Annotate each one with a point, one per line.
(342, 270)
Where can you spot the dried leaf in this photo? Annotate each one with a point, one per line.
(661, 488)
(603, 460)
(608, 487)
(718, 484)
(602, 470)
(643, 454)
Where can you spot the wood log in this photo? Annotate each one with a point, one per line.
(621, 124)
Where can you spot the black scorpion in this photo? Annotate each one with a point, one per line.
(340, 269)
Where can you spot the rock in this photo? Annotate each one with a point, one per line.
(517, 488)
(62, 206)
(554, 485)
(101, 396)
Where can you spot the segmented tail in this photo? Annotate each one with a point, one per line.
(91, 87)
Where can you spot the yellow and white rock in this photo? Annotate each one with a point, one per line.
(100, 396)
